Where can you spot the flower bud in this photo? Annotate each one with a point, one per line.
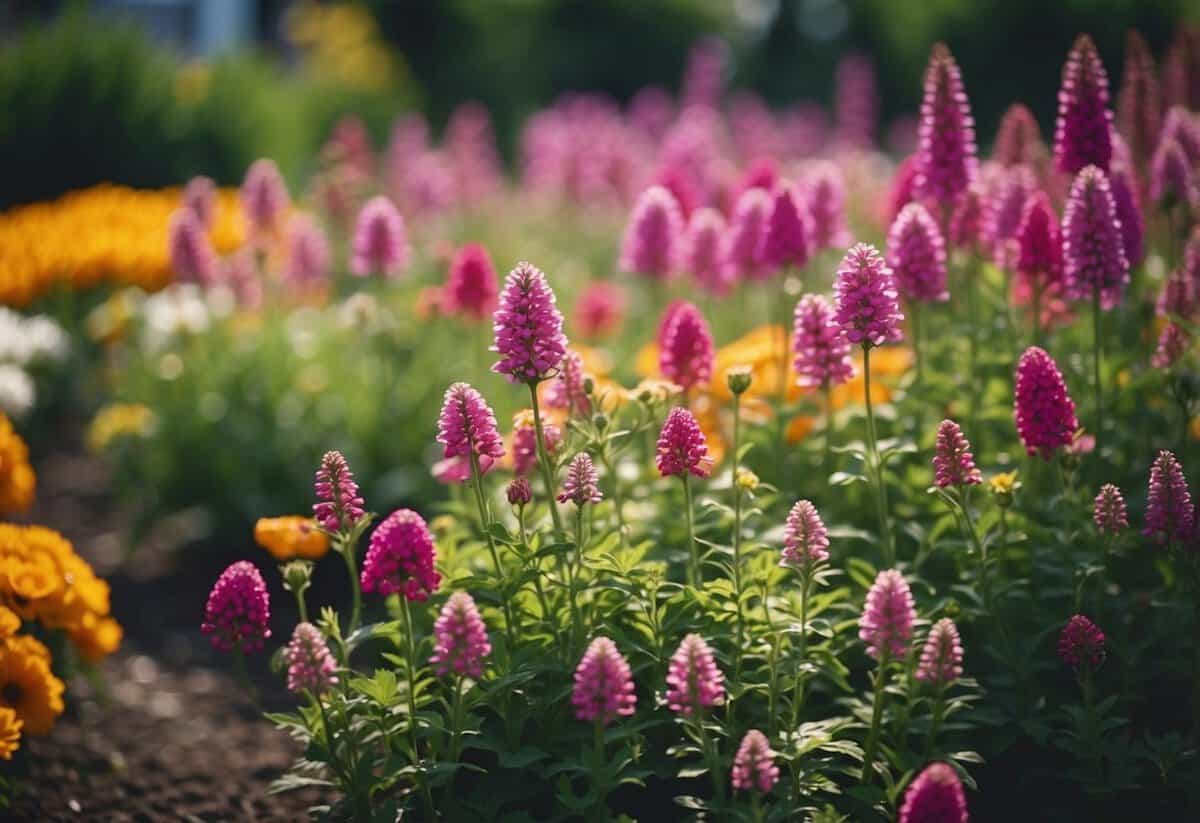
(297, 575)
(739, 379)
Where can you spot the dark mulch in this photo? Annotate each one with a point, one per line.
(166, 733)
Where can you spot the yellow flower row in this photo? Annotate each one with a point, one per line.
(104, 234)
(17, 479)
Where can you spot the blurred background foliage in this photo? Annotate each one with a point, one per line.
(88, 96)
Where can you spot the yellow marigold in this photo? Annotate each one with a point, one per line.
(747, 480)
(17, 480)
(291, 536)
(42, 578)
(97, 637)
(28, 687)
(118, 420)
(10, 623)
(10, 732)
(1004, 482)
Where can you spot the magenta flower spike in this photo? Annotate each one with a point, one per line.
(339, 506)
(682, 447)
(380, 243)
(528, 328)
(1039, 243)
(1172, 344)
(1003, 211)
(1082, 133)
(822, 351)
(941, 656)
(567, 390)
(968, 229)
(953, 463)
(651, 246)
(946, 158)
(1081, 644)
(1171, 178)
(310, 666)
(1093, 249)
(600, 310)
(200, 196)
(916, 254)
(308, 256)
(886, 625)
(264, 197)
(1139, 104)
(400, 558)
(238, 613)
(193, 259)
(1018, 139)
(827, 207)
(1183, 127)
(687, 355)
(866, 302)
(743, 245)
(902, 190)
(1170, 515)
(460, 640)
(581, 485)
(855, 102)
(524, 444)
(467, 426)
(1108, 512)
(694, 682)
(472, 285)
(519, 492)
(935, 796)
(754, 766)
(703, 253)
(787, 240)
(1129, 214)
(604, 687)
(1045, 413)
(805, 539)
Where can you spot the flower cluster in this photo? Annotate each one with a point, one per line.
(866, 300)
(941, 656)
(1082, 133)
(693, 680)
(604, 687)
(686, 356)
(400, 558)
(946, 161)
(822, 351)
(886, 625)
(754, 766)
(1045, 413)
(1093, 249)
(528, 328)
(1108, 512)
(310, 666)
(1170, 516)
(581, 485)
(238, 613)
(339, 506)
(805, 539)
(1081, 644)
(682, 447)
(917, 255)
(460, 638)
(953, 463)
(467, 426)
(936, 794)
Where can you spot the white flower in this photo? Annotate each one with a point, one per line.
(26, 340)
(17, 392)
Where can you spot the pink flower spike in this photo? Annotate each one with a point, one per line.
(946, 160)
(467, 425)
(652, 239)
(380, 241)
(310, 665)
(1170, 516)
(682, 447)
(886, 625)
(1109, 512)
(805, 539)
(1039, 243)
(822, 351)
(567, 390)
(519, 492)
(1045, 413)
(687, 354)
(238, 613)
(1182, 127)
(1018, 139)
(1171, 177)
(460, 640)
(917, 255)
(827, 207)
(1003, 212)
(339, 506)
(472, 287)
(867, 307)
(754, 766)
(787, 240)
(855, 102)
(903, 187)
(694, 682)
(581, 485)
(1129, 214)
(400, 558)
(528, 328)
(703, 255)
(744, 240)
(524, 443)
(1081, 644)
(1093, 249)
(935, 796)
(1139, 104)
(264, 197)
(604, 687)
(193, 259)
(953, 463)
(941, 657)
(1082, 133)
(600, 310)
(200, 196)
(308, 256)
(1172, 345)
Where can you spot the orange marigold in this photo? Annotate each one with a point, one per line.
(10, 732)
(28, 687)
(17, 479)
(291, 536)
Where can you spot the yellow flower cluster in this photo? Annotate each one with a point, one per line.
(119, 420)
(342, 41)
(102, 234)
(17, 480)
(290, 537)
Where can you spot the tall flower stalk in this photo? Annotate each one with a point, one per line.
(738, 380)
(805, 550)
(886, 627)
(683, 453)
(581, 487)
(339, 510)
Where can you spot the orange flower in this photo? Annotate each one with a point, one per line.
(10, 623)
(28, 687)
(10, 732)
(17, 480)
(97, 637)
(291, 536)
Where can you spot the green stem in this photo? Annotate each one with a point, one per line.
(544, 462)
(915, 309)
(527, 551)
(798, 691)
(980, 549)
(410, 670)
(772, 668)
(243, 677)
(347, 552)
(485, 519)
(868, 770)
(694, 566)
(827, 458)
(456, 722)
(301, 605)
(575, 569)
(610, 466)
(885, 533)
(737, 543)
(710, 756)
(936, 722)
(598, 769)
(1096, 365)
